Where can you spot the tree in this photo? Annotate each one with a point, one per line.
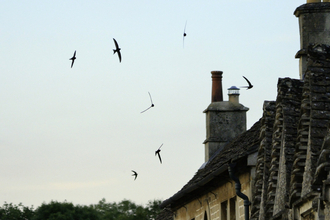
(153, 209)
(127, 210)
(15, 212)
(124, 210)
(65, 211)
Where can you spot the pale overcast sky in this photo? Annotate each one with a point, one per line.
(76, 133)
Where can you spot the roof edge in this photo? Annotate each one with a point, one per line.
(182, 193)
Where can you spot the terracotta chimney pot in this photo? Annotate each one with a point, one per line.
(217, 86)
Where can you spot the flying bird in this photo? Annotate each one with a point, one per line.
(184, 32)
(134, 174)
(152, 104)
(117, 50)
(73, 58)
(158, 152)
(249, 86)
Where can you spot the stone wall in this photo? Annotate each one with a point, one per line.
(318, 72)
(314, 28)
(213, 202)
(224, 122)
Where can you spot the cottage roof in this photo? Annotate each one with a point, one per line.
(165, 214)
(242, 146)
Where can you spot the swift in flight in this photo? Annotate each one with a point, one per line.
(157, 152)
(117, 50)
(152, 104)
(249, 86)
(73, 58)
(134, 174)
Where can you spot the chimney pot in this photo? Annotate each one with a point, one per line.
(233, 94)
(217, 86)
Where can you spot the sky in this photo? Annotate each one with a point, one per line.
(76, 133)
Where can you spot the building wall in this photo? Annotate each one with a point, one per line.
(220, 204)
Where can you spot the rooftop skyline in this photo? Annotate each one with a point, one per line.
(77, 133)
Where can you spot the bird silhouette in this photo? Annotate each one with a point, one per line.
(73, 58)
(152, 104)
(134, 174)
(184, 32)
(158, 152)
(117, 50)
(249, 86)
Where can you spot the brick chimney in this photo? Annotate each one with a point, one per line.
(224, 119)
(314, 28)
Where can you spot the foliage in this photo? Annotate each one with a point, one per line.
(153, 209)
(64, 211)
(17, 212)
(127, 210)
(124, 210)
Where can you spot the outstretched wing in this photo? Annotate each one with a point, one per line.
(146, 109)
(119, 55)
(116, 44)
(160, 159)
(247, 81)
(150, 99)
(184, 30)
(184, 33)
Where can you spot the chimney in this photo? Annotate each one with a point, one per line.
(216, 86)
(233, 94)
(314, 28)
(224, 119)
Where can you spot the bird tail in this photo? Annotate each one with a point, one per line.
(114, 51)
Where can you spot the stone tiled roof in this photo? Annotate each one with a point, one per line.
(293, 144)
(165, 214)
(243, 145)
(297, 164)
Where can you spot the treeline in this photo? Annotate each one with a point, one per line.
(124, 210)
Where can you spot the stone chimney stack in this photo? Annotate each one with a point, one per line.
(314, 28)
(224, 119)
